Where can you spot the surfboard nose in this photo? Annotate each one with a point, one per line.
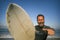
(11, 6)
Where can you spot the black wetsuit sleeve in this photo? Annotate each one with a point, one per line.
(48, 27)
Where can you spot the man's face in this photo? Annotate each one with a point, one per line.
(40, 20)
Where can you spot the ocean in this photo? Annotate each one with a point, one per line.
(13, 39)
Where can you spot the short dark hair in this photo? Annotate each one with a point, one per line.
(40, 15)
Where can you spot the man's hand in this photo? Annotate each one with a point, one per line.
(50, 31)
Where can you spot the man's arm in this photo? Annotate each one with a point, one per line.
(50, 31)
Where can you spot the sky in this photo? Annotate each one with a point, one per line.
(49, 8)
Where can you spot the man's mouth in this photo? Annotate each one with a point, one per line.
(41, 23)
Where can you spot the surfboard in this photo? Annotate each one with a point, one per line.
(19, 23)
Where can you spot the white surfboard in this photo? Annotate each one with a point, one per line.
(19, 23)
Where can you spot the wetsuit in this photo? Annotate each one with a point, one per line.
(41, 34)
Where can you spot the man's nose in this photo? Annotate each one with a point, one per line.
(40, 20)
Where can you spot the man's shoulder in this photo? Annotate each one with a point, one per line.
(48, 27)
(45, 26)
(36, 25)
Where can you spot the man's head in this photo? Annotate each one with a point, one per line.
(40, 19)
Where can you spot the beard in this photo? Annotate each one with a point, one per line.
(41, 24)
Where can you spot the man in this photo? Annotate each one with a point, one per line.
(42, 31)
